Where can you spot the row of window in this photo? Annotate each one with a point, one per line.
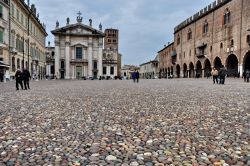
(109, 41)
(23, 20)
(104, 70)
(205, 29)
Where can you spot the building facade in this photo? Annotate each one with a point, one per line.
(149, 70)
(27, 39)
(167, 61)
(4, 41)
(111, 56)
(50, 62)
(127, 70)
(217, 35)
(78, 50)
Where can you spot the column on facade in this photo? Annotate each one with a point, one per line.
(108, 71)
(73, 65)
(100, 44)
(57, 59)
(202, 73)
(115, 70)
(67, 58)
(240, 69)
(48, 72)
(181, 74)
(90, 57)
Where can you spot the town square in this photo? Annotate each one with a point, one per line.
(118, 122)
(124, 83)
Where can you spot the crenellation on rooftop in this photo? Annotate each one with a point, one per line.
(206, 10)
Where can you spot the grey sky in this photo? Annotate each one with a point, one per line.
(144, 25)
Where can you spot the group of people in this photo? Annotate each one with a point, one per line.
(246, 75)
(22, 77)
(219, 76)
(136, 76)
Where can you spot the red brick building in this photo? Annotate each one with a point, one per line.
(217, 35)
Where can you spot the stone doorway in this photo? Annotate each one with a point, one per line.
(247, 61)
(217, 63)
(207, 68)
(191, 70)
(178, 70)
(185, 71)
(198, 69)
(232, 65)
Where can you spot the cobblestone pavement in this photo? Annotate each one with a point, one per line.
(182, 122)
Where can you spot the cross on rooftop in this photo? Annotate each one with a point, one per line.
(79, 14)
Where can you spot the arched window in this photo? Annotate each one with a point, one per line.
(205, 27)
(227, 16)
(189, 35)
(178, 40)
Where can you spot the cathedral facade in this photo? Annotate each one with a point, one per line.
(78, 50)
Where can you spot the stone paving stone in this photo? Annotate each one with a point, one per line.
(186, 122)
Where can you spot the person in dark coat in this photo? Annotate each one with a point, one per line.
(134, 76)
(19, 77)
(244, 76)
(137, 76)
(222, 74)
(26, 78)
(1, 76)
(247, 75)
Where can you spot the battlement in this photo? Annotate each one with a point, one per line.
(208, 9)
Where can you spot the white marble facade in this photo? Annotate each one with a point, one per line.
(78, 50)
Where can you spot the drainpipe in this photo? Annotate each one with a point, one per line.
(240, 65)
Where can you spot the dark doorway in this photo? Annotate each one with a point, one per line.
(62, 74)
(198, 69)
(178, 70)
(207, 68)
(247, 61)
(232, 65)
(185, 72)
(217, 63)
(191, 70)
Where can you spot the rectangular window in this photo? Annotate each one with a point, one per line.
(95, 65)
(17, 14)
(22, 19)
(62, 64)
(112, 70)
(1, 11)
(78, 52)
(104, 70)
(1, 36)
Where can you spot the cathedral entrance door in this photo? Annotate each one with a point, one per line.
(95, 75)
(62, 74)
(78, 72)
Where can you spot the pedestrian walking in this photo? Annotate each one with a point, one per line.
(137, 76)
(26, 79)
(247, 75)
(134, 76)
(18, 77)
(214, 73)
(222, 74)
(244, 76)
(1, 76)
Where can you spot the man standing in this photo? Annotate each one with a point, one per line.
(247, 75)
(137, 76)
(222, 74)
(26, 78)
(18, 77)
(215, 75)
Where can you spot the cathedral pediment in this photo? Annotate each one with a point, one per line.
(78, 29)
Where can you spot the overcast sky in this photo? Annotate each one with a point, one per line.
(144, 25)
